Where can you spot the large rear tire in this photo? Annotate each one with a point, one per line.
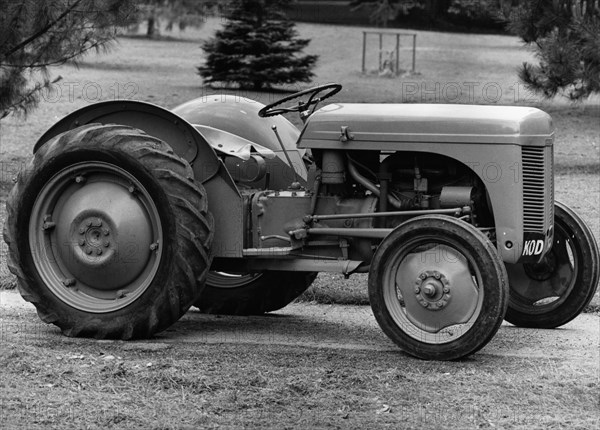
(252, 293)
(553, 292)
(438, 288)
(108, 233)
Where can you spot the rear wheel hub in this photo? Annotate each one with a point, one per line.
(101, 252)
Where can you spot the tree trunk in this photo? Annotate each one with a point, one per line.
(152, 27)
(436, 8)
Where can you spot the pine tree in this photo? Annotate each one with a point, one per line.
(566, 37)
(37, 34)
(258, 47)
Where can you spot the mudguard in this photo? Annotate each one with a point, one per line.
(239, 116)
(152, 119)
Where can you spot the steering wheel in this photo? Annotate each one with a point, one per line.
(270, 110)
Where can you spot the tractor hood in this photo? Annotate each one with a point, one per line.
(351, 126)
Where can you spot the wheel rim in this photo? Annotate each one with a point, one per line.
(542, 287)
(96, 237)
(432, 290)
(230, 279)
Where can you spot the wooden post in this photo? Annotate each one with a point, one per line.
(397, 53)
(364, 50)
(380, 48)
(414, 53)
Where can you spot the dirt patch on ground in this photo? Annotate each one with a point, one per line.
(307, 366)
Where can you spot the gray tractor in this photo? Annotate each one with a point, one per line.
(129, 214)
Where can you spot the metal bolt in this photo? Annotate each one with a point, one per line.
(154, 247)
(429, 289)
(105, 231)
(88, 250)
(98, 251)
(437, 275)
(440, 304)
(81, 230)
(446, 290)
(69, 282)
(88, 223)
(80, 179)
(98, 223)
(417, 290)
(81, 242)
(106, 243)
(425, 304)
(423, 276)
(48, 225)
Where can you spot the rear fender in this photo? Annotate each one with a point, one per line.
(186, 142)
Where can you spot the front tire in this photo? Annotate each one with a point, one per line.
(438, 288)
(108, 234)
(551, 293)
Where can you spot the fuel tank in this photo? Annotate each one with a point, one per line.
(239, 116)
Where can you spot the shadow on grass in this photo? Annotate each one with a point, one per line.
(586, 168)
(236, 88)
(160, 38)
(325, 296)
(107, 66)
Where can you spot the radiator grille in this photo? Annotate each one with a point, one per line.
(538, 184)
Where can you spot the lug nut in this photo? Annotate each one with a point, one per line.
(69, 282)
(88, 223)
(81, 230)
(88, 250)
(48, 225)
(440, 304)
(131, 189)
(417, 290)
(423, 276)
(81, 242)
(446, 290)
(437, 275)
(105, 231)
(98, 251)
(106, 243)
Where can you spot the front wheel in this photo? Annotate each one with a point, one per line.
(552, 292)
(252, 293)
(438, 288)
(108, 234)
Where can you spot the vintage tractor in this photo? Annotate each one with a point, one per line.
(129, 214)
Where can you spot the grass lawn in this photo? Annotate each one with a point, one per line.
(450, 68)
